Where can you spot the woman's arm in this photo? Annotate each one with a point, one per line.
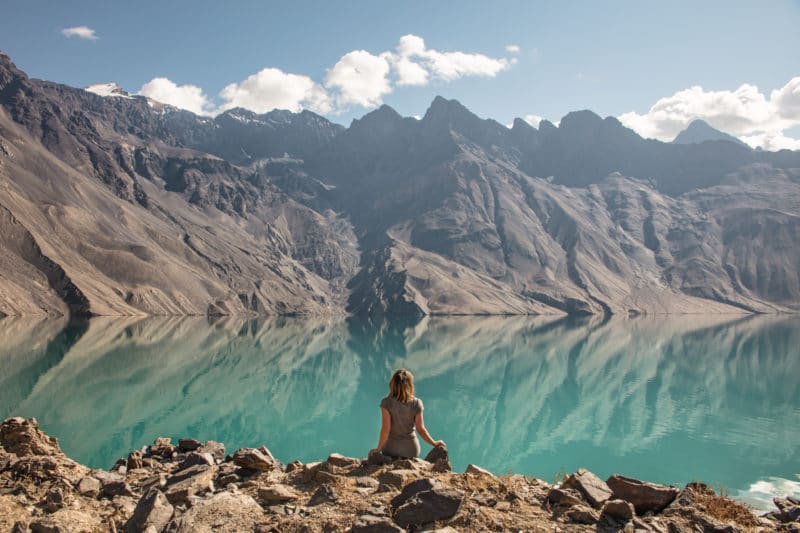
(386, 426)
(419, 422)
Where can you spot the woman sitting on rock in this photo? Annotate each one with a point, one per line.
(401, 412)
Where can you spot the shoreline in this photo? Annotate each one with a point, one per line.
(196, 486)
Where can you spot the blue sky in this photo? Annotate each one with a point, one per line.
(616, 58)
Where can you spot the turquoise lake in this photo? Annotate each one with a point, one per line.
(669, 399)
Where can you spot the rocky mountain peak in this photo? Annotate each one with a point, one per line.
(581, 120)
(107, 89)
(700, 131)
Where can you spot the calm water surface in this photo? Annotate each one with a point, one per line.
(664, 399)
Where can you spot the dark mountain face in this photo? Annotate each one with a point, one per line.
(699, 131)
(120, 205)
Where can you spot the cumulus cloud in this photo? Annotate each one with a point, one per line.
(81, 32)
(533, 120)
(747, 112)
(187, 97)
(512, 49)
(360, 78)
(772, 140)
(446, 66)
(271, 88)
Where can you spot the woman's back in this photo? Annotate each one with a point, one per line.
(403, 416)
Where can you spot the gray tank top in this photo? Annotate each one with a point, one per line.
(403, 415)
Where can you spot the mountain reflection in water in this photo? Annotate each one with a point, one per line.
(665, 399)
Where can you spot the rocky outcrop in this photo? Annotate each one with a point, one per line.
(339, 494)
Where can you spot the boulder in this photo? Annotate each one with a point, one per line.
(429, 506)
(54, 500)
(411, 464)
(89, 486)
(255, 459)
(195, 459)
(277, 493)
(582, 514)
(117, 488)
(224, 512)
(162, 447)
(440, 459)
(396, 478)
(192, 481)
(324, 494)
(374, 524)
(23, 437)
(619, 510)
(645, 497)
(378, 459)
(478, 471)
(189, 445)
(414, 488)
(591, 487)
(368, 482)
(153, 510)
(216, 449)
(339, 460)
(559, 497)
(134, 460)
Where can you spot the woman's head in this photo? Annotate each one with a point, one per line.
(401, 386)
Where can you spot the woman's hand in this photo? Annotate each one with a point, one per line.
(439, 443)
(372, 452)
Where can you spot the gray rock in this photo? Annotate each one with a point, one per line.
(342, 461)
(478, 471)
(414, 488)
(560, 497)
(195, 458)
(254, 459)
(368, 482)
(54, 500)
(619, 510)
(374, 524)
(324, 494)
(193, 481)
(153, 510)
(396, 478)
(216, 449)
(117, 488)
(134, 460)
(582, 514)
(440, 458)
(189, 445)
(44, 525)
(429, 506)
(591, 487)
(89, 486)
(645, 496)
(278, 493)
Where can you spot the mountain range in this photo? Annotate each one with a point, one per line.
(113, 204)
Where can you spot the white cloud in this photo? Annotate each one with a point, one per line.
(773, 140)
(360, 78)
(271, 88)
(746, 112)
(446, 66)
(187, 97)
(533, 120)
(512, 49)
(81, 32)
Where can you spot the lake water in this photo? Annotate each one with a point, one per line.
(664, 399)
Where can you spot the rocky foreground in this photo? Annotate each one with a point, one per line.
(195, 486)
